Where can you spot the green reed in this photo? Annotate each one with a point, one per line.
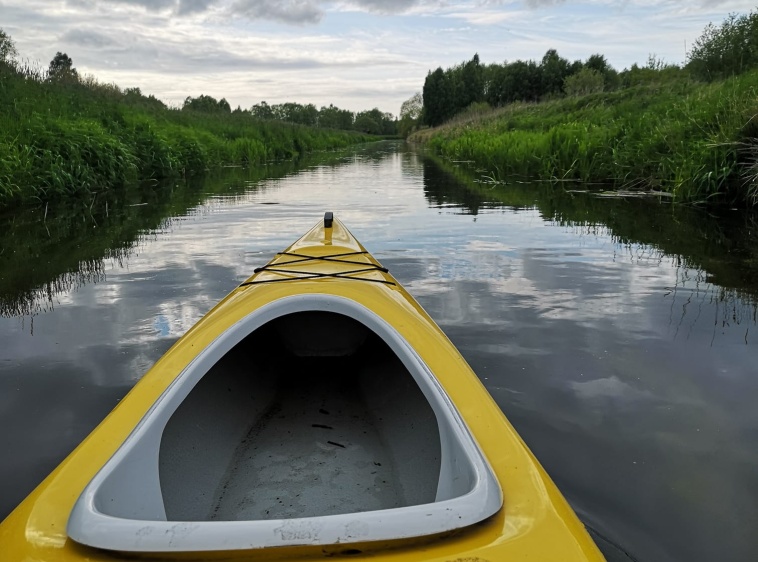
(694, 140)
(77, 139)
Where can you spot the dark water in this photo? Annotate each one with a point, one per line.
(618, 335)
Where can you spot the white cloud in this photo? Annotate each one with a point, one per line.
(346, 52)
(295, 12)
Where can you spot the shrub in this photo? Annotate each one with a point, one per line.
(725, 50)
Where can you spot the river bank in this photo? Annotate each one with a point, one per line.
(80, 138)
(691, 139)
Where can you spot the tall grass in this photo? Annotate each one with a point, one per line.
(82, 137)
(687, 138)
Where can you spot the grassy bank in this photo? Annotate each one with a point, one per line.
(80, 137)
(694, 140)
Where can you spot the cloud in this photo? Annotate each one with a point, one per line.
(296, 12)
(178, 7)
(542, 3)
(87, 38)
(609, 388)
(151, 5)
(187, 7)
(385, 6)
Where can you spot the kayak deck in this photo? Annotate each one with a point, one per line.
(299, 436)
(214, 465)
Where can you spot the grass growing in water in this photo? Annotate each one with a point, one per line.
(76, 138)
(694, 140)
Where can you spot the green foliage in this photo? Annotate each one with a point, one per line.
(335, 118)
(412, 107)
(654, 72)
(554, 70)
(8, 52)
(646, 127)
(723, 51)
(726, 50)
(447, 92)
(517, 81)
(468, 82)
(372, 121)
(62, 69)
(586, 81)
(599, 64)
(410, 114)
(206, 104)
(288, 112)
(437, 95)
(63, 137)
(689, 139)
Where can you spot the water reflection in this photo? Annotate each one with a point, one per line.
(49, 251)
(618, 336)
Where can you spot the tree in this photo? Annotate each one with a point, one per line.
(206, 104)
(8, 52)
(472, 84)
(554, 70)
(437, 96)
(599, 63)
(729, 49)
(586, 81)
(307, 115)
(412, 107)
(62, 69)
(365, 123)
(333, 117)
(410, 114)
(262, 111)
(296, 113)
(517, 81)
(134, 96)
(224, 106)
(375, 122)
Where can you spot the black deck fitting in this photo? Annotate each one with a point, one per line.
(328, 218)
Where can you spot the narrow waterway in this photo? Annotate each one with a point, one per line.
(618, 335)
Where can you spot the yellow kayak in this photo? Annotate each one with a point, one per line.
(316, 411)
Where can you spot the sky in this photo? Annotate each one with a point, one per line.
(355, 54)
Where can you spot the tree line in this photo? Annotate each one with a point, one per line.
(61, 71)
(448, 92)
(373, 121)
(721, 51)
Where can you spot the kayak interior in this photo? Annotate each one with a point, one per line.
(309, 421)
(281, 428)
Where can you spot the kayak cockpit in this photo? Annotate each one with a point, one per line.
(310, 421)
(287, 426)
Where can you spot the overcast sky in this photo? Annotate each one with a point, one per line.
(356, 54)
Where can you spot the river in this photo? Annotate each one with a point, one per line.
(618, 334)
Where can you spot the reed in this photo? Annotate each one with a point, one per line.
(79, 138)
(691, 139)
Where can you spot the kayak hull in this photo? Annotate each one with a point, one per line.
(533, 523)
